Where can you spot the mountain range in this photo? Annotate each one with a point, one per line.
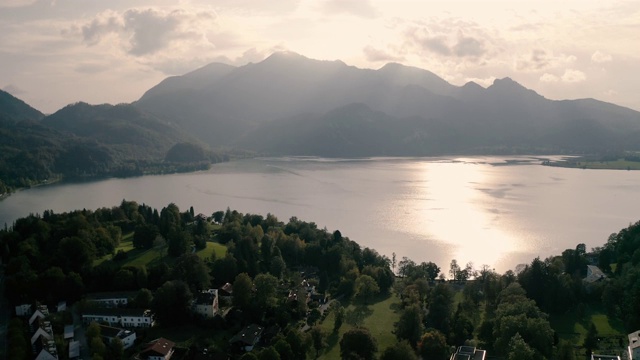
(293, 105)
(288, 104)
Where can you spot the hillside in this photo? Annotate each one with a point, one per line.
(85, 141)
(13, 109)
(420, 113)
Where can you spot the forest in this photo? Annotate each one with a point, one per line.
(378, 307)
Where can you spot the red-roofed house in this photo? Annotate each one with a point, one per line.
(158, 349)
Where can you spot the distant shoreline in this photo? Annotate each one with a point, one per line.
(588, 163)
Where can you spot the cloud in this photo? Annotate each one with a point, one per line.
(449, 38)
(549, 78)
(539, 60)
(146, 31)
(13, 90)
(373, 54)
(468, 46)
(102, 24)
(437, 44)
(573, 76)
(150, 30)
(600, 57)
(361, 8)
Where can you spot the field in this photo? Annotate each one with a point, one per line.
(573, 328)
(379, 317)
(138, 257)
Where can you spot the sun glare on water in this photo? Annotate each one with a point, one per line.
(452, 211)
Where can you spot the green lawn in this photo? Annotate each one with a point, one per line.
(572, 328)
(212, 247)
(378, 317)
(138, 257)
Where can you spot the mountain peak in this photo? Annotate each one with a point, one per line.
(14, 109)
(285, 55)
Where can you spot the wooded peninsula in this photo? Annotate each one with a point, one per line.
(244, 286)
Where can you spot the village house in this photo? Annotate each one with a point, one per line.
(634, 345)
(127, 337)
(158, 349)
(206, 303)
(68, 332)
(42, 341)
(110, 299)
(248, 337)
(604, 357)
(469, 353)
(594, 274)
(138, 318)
(23, 310)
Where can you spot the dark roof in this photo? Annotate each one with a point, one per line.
(109, 331)
(205, 298)
(159, 346)
(249, 335)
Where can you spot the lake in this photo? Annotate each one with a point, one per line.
(498, 211)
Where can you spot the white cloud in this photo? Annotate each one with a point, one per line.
(146, 31)
(600, 57)
(362, 8)
(572, 76)
(539, 60)
(549, 78)
(377, 55)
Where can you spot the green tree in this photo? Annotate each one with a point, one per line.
(433, 345)
(242, 289)
(366, 287)
(192, 270)
(440, 308)
(565, 351)
(409, 327)
(178, 243)
(269, 353)
(172, 303)
(266, 291)
(143, 299)
(115, 350)
(338, 318)
(591, 340)
(319, 338)
(97, 346)
(400, 350)
(358, 344)
(519, 349)
(284, 349)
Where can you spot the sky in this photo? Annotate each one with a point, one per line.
(57, 52)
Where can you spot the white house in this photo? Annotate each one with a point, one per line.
(110, 299)
(634, 345)
(23, 310)
(206, 303)
(109, 333)
(159, 349)
(138, 318)
(593, 274)
(40, 313)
